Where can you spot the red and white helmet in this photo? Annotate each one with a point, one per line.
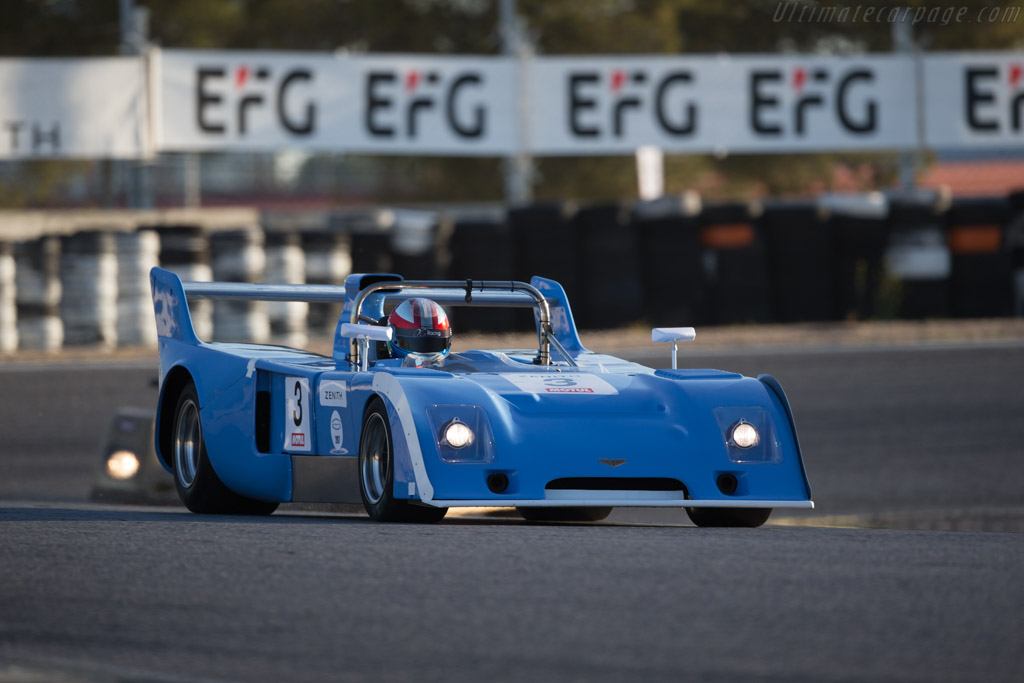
(419, 326)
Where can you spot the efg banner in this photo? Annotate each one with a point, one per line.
(974, 99)
(613, 105)
(73, 108)
(381, 105)
(187, 100)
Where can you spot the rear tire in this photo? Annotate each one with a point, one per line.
(566, 514)
(729, 517)
(198, 485)
(377, 474)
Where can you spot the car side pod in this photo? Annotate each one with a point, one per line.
(675, 335)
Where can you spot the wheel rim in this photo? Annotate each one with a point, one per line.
(373, 458)
(188, 441)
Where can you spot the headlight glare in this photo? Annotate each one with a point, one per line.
(457, 434)
(122, 465)
(744, 435)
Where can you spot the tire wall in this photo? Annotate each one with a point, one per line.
(736, 265)
(981, 276)
(673, 261)
(674, 284)
(799, 252)
(918, 262)
(481, 248)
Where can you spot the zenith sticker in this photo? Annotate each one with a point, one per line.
(566, 384)
(333, 392)
(297, 415)
(337, 434)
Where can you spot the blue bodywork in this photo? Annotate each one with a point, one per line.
(606, 432)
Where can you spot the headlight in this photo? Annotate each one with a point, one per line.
(122, 465)
(457, 434)
(744, 435)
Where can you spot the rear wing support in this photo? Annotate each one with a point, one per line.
(509, 293)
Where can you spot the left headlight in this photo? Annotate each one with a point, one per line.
(456, 434)
(122, 465)
(744, 435)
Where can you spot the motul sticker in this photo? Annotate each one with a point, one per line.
(562, 383)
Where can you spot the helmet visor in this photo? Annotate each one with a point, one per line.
(423, 341)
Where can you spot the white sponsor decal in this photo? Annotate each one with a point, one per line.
(337, 434)
(297, 415)
(333, 393)
(565, 384)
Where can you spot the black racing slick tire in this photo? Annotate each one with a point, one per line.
(198, 485)
(566, 514)
(729, 517)
(377, 473)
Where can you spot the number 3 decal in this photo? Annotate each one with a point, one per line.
(298, 436)
(297, 416)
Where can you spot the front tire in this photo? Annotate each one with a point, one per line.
(198, 485)
(729, 517)
(566, 514)
(377, 474)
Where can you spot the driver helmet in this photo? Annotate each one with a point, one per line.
(419, 326)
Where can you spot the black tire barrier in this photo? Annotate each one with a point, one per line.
(238, 256)
(610, 293)
(860, 230)
(675, 286)
(88, 274)
(185, 251)
(482, 249)
(799, 249)
(981, 281)
(328, 262)
(37, 281)
(545, 244)
(736, 264)
(370, 235)
(182, 245)
(137, 253)
(286, 264)
(917, 258)
(419, 244)
(1015, 244)
(8, 300)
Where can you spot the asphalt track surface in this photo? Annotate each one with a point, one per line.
(920, 448)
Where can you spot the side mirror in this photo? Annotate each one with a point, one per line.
(364, 333)
(674, 335)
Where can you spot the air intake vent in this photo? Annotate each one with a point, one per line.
(616, 484)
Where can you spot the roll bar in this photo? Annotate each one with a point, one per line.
(461, 292)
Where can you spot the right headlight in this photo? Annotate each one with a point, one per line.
(744, 435)
(457, 434)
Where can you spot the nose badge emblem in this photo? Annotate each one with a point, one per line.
(613, 462)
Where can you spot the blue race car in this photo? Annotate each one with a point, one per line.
(400, 424)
